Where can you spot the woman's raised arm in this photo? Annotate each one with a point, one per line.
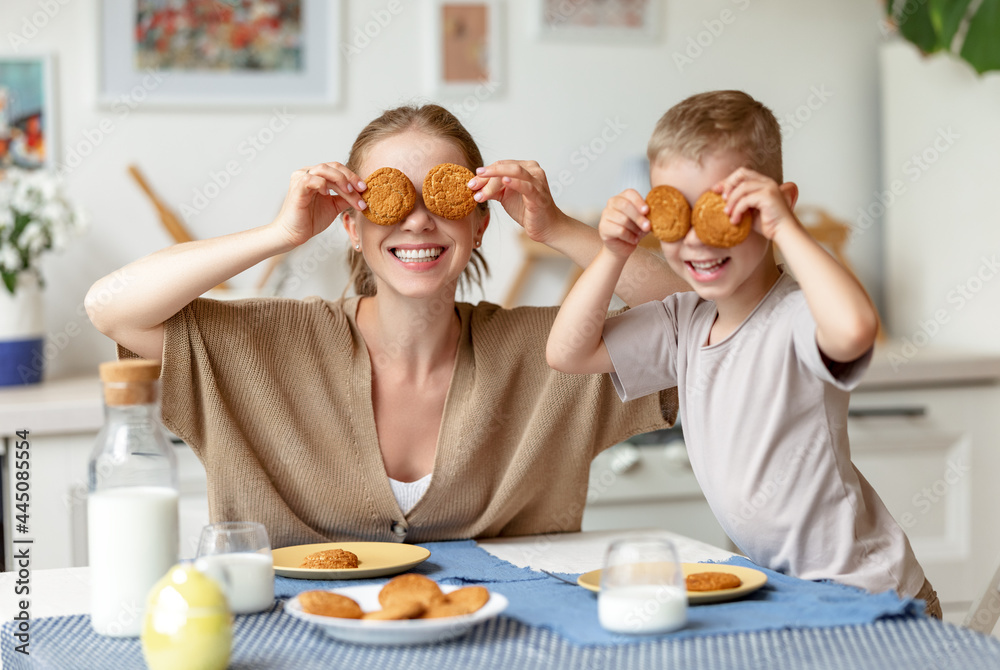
(131, 305)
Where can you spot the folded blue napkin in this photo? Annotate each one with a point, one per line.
(536, 599)
(784, 602)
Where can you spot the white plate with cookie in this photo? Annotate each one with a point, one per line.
(393, 632)
(375, 559)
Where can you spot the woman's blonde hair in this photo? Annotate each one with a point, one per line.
(435, 121)
(719, 120)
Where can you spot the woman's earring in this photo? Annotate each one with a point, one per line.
(478, 242)
(357, 247)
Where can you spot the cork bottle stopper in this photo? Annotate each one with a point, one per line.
(130, 382)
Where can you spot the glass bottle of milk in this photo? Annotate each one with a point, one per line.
(132, 518)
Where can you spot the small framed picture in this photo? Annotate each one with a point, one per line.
(599, 20)
(27, 125)
(465, 50)
(220, 53)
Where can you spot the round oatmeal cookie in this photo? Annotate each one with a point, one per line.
(712, 224)
(409, 588)
(669, 213)
(447, 192)
(712, 581)
(469, 598)
(390, 196)
(399, 611)
(325, 603)
(330, 559)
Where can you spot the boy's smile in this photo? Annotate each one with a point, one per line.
(715, 273)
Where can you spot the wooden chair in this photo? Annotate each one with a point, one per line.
(985, 611)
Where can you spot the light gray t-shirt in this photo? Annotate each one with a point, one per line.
(765, 422)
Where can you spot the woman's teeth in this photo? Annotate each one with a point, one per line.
(417, 255)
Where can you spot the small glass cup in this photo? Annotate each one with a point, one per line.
(642, 587)
(237, 554)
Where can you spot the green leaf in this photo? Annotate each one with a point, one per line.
(9, 280)
(913, 18)
(982, 43)
(946, 16)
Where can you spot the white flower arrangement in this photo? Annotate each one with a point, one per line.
(35, 217)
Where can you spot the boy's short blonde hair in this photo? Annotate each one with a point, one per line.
(719, 120)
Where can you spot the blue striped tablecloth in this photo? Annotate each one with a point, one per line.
(273, 640)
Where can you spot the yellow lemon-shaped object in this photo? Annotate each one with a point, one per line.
(188, 623)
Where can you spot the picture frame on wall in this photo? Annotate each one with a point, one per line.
(625, 21)
(197, 54)
(27, 104)
(465, 48)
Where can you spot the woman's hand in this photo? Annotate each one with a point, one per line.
(523, 191)
(309, 207)
(624, 223)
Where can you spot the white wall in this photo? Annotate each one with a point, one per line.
(557, 96)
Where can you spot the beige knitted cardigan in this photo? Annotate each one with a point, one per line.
(274, 396)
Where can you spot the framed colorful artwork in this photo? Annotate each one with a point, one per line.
(220, 53)
(599, 20)
(465, 52)
(26, 112)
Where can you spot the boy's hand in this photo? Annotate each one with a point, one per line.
(624, 223)
(522, 190)
(745, 189)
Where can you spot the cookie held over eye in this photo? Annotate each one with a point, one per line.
(712, 581)
(669, 213)
(390, 196)
(712, 224)
(447, 193)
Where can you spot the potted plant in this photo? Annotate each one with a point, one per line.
(35, 217)
(966, 28)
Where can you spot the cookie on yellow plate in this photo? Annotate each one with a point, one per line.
(390, 196)
(712, 581)
(669, 213)
(330, 559)
(712, 224)
(447, 192)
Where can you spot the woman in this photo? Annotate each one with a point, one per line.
(399, 414)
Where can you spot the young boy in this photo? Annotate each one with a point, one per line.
(763, 363)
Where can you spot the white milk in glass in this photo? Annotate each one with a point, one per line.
(133, 541)
(246, 578)
(642, 608)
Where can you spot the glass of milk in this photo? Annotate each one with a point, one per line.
(642, 587)
(237, 554)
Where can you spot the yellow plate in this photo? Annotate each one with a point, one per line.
(752, 580)
(375, 559)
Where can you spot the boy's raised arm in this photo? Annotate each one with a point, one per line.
(846, 320)
(575, 341)
(521, 187)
